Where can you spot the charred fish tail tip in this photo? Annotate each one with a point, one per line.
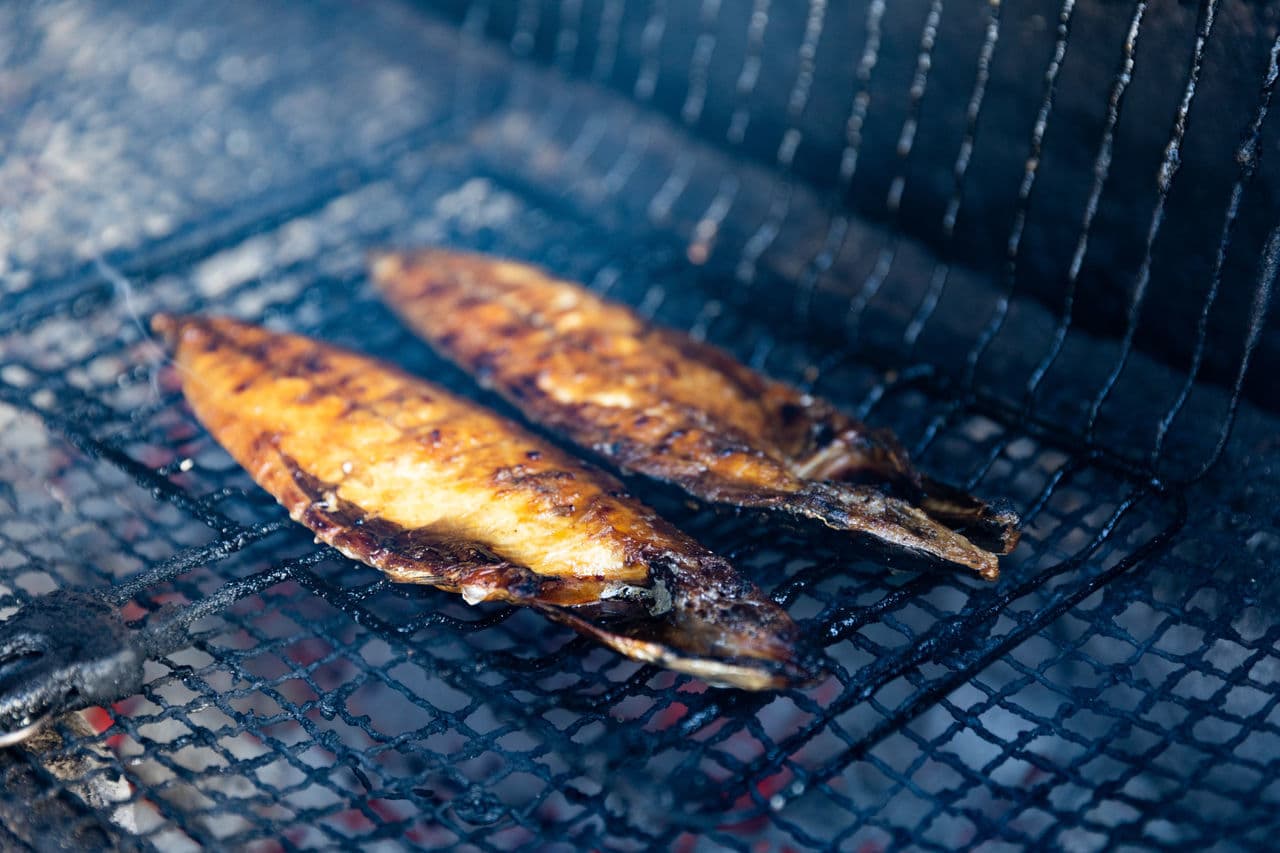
(62, 652)
(806, 667)
(1004, 518)
(867, 510)
(800, 670)
(750, 630)
(728, 637)
(994, 526)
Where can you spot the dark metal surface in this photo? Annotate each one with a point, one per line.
(64, 652)
(1118, 685)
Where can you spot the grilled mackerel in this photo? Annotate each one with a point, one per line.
(430, 488)
(656, 401)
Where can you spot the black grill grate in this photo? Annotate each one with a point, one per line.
(1099, 694)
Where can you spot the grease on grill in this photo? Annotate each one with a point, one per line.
(430, 488)
(655, 400)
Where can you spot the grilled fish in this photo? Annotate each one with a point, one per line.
(656, 401)
(430, 488)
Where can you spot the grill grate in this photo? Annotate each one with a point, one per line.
(1086, 699)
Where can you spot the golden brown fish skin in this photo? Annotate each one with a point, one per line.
(430, 488)
(656, 401)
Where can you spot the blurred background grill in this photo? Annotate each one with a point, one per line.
(1036, 241)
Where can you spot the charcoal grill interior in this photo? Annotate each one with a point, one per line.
(1038, 242)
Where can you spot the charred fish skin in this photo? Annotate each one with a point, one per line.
(430, 488)
(656, 401)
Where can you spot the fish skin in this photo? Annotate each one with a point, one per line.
(428, 487)
(656, 401)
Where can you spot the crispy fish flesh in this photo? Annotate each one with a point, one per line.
(655, 400)
(430, 488)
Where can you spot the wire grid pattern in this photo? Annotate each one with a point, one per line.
(789, 93)
(337, 707)
(879, 626)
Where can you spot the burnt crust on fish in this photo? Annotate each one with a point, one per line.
(431, 488)
(656, 401)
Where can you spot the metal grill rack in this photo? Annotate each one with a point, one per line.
(1117, 687)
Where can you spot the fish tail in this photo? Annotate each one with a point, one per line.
(866, 509)
(995, 526)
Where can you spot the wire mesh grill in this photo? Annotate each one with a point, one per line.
(1084, 700)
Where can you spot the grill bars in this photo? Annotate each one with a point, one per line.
(1084, 700)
